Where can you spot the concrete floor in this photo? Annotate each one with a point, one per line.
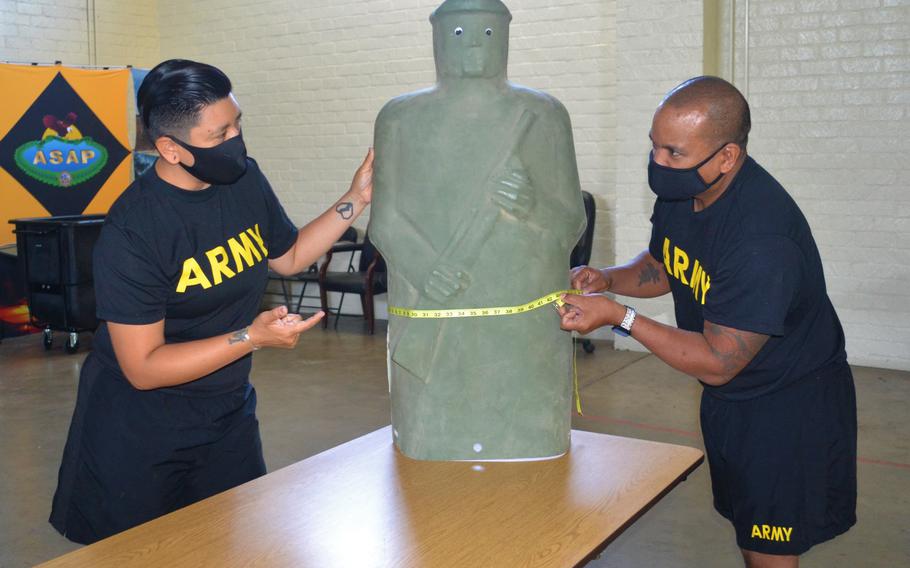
(333, 388)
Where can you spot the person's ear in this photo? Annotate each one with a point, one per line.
(168, 150)
(728, 156)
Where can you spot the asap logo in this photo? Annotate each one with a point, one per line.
(63, 157)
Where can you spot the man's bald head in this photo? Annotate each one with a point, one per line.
(726, 110)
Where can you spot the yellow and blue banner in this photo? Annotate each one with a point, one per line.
(64, 141)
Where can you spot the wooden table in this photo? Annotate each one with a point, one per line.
(364, 504)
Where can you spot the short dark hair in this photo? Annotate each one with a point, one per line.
(727, 110)
(173, 94)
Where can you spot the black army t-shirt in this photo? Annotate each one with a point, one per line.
(749, 262)
(196, 259)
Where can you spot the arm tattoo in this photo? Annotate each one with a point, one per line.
(648, 274)
(346, 210)
(732, 347)
(238, 336)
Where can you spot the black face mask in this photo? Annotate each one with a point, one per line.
(676, 184)
(219, 165)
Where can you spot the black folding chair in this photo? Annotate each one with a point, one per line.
(368, 280)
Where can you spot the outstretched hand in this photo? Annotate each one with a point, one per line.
(278, 328)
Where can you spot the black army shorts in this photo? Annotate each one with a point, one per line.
(783, 465)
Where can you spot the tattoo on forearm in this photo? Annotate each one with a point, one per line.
(346, 210)
(238, 336)
(732, 347)
(649, 274)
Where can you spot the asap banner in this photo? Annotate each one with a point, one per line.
(64, 140)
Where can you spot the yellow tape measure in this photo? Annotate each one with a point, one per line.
(551, 298)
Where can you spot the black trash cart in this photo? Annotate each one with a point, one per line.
(57, 256)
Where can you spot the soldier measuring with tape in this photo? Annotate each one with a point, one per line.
(756, 327)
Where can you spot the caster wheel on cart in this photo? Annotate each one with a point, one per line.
(72, 343)
(48, 339)
(587, 346)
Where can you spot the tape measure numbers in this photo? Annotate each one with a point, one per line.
(551, 298)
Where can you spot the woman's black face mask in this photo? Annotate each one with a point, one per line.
(219, 165)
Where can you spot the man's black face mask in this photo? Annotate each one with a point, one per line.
(677, 184)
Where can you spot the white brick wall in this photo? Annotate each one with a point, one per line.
(829, 85)
(127, 32)
(44, 31)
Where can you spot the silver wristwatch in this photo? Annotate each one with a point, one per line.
(625, 328)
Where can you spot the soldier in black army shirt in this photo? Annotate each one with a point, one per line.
(755, 327)
(165, 413)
